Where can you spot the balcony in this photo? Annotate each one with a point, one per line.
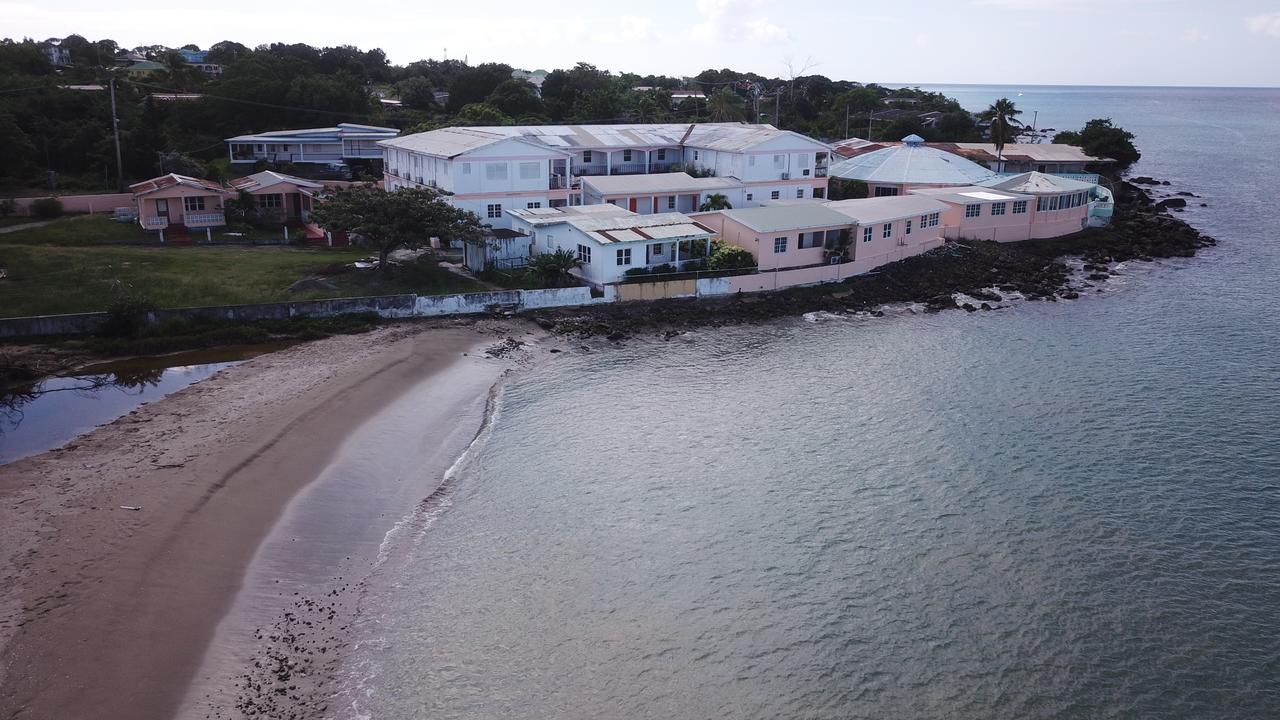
(204, 219)
(820, 171)
(556, 182)
(624, 169)
(155, 222)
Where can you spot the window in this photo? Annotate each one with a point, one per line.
(780, 245)
(750, 196)
(806, 172)
(799, 192)
(495, 171)
(466, 168)
(819, 193)
(1020, 207)
(997, 208)
(974, 210)
(908, 227)
(533, 205)
(837, 237)
(671, 202)
(751, 160)
(584, 254)
(193, 204)
(270, 201)
(624, 256)
(811, 240)
(695, 154)
(934, 218)
(1042, 204)
(887, 230)
(866, 234)
(886, 191)
(779, 161)
(529, 171)
(655, 249)
(662, 154)
(626, 156)
(586, 156)
(493, 211)
(775, 195)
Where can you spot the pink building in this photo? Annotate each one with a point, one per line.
(783, 236)
(890, 228)
(979, 213)
(281, 196)
(176, 204)
(1059, 205)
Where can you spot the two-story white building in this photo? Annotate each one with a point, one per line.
(545, 166)
(338, 144)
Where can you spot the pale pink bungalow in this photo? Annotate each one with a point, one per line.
(177, 204)
(282, 196)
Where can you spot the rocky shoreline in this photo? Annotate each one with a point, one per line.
(1142, 229)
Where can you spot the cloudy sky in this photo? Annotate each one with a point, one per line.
(1091, 42)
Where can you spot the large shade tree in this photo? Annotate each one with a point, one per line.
(389, 220)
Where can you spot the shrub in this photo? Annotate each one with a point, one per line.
(731, 257)
(126, 316)
(49, 207)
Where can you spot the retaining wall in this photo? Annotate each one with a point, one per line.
(104, 203)
(387, 306)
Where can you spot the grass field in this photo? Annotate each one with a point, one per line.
(81, 265)
(80, 230)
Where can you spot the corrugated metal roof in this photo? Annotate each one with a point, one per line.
(914, 164)
(966, 194)
(1035, 152)
(339, 132)
(173, 179)
(267, 178)
(777, 218)
(656, 183)
(707, 136)
(1037, 183)
(868, 211)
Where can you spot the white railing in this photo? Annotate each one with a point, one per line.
(155, 223)
(204, 219)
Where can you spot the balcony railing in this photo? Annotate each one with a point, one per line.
(155, 223)
(820, 172)
(556, 182)
(625, 169)
(205, 219)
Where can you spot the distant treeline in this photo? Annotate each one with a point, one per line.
(53, 134)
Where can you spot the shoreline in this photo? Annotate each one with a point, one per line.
(107, 612)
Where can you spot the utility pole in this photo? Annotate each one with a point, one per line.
(115, 128)
(846, 120)
(777, 112)
(870, 115)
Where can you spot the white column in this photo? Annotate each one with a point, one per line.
(608, 163)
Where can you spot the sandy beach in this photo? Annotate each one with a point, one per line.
(112, 613)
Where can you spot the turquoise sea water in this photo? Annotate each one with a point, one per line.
(1056, 510)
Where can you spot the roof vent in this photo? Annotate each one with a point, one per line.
(913, 140)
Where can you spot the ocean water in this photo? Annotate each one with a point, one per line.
(1055, 510)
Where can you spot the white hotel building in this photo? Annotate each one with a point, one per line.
(489, 170)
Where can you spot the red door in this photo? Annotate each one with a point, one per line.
(633, 204)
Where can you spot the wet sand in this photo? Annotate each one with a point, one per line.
(109, 613)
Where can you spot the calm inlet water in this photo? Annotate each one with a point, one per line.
(1057, 510)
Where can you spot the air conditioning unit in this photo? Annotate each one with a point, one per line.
(786, 176)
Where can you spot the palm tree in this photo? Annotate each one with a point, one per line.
(726, 106)
(1003, 116)
(715, 201)
(552, 269)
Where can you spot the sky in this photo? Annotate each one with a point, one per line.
(1017, 42)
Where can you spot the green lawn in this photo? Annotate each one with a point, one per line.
(56, 278)
(81, 230)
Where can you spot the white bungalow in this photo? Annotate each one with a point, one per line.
(609, 240)
(338, 144)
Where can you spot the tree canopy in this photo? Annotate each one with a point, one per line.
(1101, 138)
(389, 220)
